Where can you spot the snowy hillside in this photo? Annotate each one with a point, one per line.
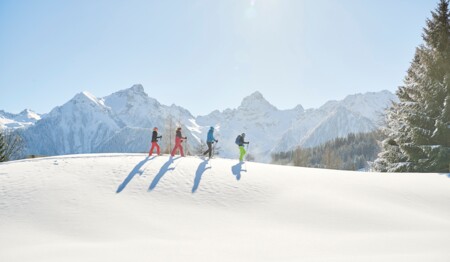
(123, 121)
(126, 207)
(24, 119)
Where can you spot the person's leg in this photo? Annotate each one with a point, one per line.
(151, 149)
(206, 152)
(158, 149)
(181, 150)
(209, 149)
(174, 150)
(242, 153)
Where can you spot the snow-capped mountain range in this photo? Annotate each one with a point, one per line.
(123, 121)
(23, 119)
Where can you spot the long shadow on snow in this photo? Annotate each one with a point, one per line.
(237, 170)
(198, 174)
(136, 170)
(162, 172)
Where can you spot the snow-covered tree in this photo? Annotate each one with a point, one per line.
(418, 127)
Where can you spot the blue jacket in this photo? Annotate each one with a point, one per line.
(210, 137)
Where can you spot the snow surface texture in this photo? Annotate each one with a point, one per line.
(126, 207)
(122, 122)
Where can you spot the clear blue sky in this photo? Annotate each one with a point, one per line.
(205, 54)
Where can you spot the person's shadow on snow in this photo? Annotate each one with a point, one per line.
(136, 170)
(198, 174)
(237, 170)
(166, 167)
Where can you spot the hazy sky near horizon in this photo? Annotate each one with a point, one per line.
(205, 55)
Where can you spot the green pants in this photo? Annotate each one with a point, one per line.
(242, 150)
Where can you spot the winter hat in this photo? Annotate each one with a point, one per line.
(155, 129)
(243, 135)
(211, 128)
(179, 128)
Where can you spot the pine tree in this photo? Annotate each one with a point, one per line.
(418, 127)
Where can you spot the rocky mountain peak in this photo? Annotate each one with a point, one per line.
(256, 101)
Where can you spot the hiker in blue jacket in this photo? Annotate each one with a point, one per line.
(210, 140)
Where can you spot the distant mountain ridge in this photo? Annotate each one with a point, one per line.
(23, 119)
(123, 121)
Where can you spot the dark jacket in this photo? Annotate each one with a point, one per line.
(178, 137)
(241, 141)
(155, 136)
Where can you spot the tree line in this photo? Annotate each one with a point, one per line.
(354, 152)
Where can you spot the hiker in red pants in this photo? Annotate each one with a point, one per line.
(178, 139)
(155, 142)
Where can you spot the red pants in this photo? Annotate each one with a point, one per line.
(154, 144)
(177, 146)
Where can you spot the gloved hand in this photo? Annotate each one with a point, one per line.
(217, 140)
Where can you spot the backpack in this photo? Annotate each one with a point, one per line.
(238, 140)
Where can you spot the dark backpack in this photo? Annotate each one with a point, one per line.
(238, 140)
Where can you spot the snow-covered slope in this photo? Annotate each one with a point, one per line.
(24, 119)
(78, 126)
(136, 109)
(126, 207)
(338, 123)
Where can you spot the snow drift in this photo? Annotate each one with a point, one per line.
(127, 207)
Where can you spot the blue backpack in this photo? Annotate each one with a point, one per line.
(238, 139)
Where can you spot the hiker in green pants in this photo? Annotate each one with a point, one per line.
(240, 142)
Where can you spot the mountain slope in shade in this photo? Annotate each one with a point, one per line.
(339, 123)
(121, 207)
(354, 114)
(78, 126)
